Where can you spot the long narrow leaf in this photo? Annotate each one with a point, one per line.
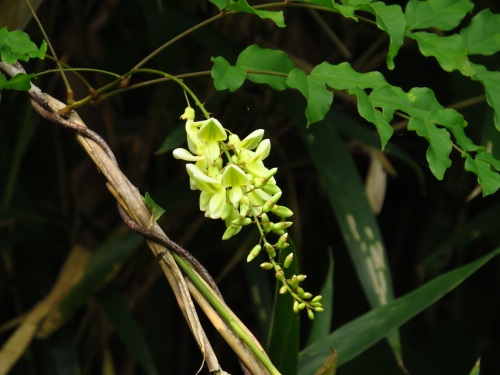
(355, 217)
(361, 333)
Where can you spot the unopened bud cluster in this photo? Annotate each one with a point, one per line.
(242, 191)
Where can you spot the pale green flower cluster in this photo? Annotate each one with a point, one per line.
(241, 191)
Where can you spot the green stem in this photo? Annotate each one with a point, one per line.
(225, 314)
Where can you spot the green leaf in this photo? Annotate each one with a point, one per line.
(319, 98)
(449, 51)
(354, 215)
(16, 45)
(243, 7)
(488, 179)
(482, 35)
(391, 19)
(126, 327)
(441, 14)
(440, 145)
(284, 339)
(154, 209)
(358, 335)
(20, 82)
(225, 76)
(344, 77)
(176, 138)
(323, 321)
(491, 82)
(367, 110)
(105, 262)
(266, 60)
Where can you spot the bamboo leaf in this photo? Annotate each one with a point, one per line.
(121, 318)
(322, 322)
(283, 340)
(361, 333)
(355, 217)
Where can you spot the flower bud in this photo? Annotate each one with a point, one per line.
(244, 206)
(283, 289)
(302, 305)
(230, 232)
(293, 282)
(271, 188)
(271, 202)
(310, 314)
(319, 309)
(266, 266)
(300, 292)
(295, 307)
(307, 295)
(254, 252)
(317, 298)
(246, 221)
(270, 249)
(301, 278)
(266, 224)
(280, 275)
(282, 241)
(281, 225)
(281, 211)
(288, 260)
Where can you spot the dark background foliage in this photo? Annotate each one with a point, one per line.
(59, 199)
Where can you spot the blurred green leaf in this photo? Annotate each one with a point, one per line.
(105, 262)
(356, 336)
(322, 322)
(441, 14)
(174, 139)
(482, 35)
(284, 337)
(121, 318)
(354, 215)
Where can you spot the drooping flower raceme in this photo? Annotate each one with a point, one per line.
(241, 191)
